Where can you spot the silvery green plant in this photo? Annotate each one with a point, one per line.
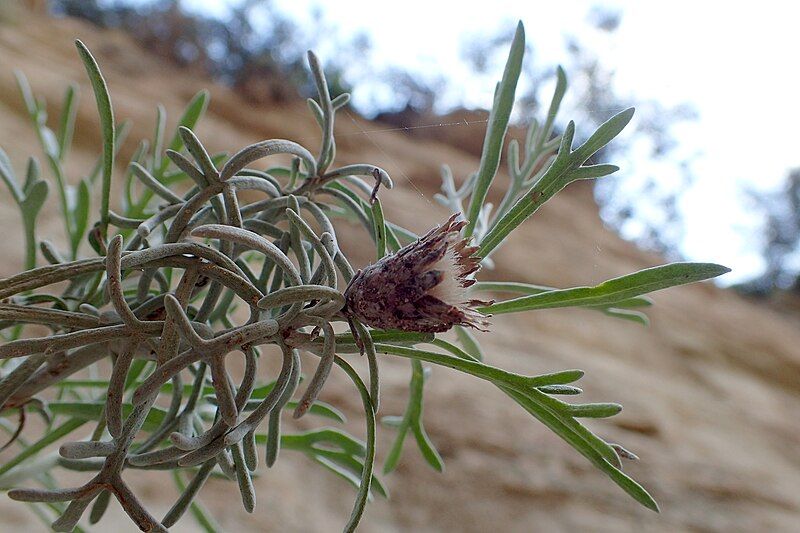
(132, 373)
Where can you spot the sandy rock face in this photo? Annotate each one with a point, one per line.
(711, 389)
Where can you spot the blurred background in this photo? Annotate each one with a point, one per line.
(713, 147)
(710, 172)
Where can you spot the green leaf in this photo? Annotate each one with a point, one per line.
(428, 450)
(191, 115)
(80, 216)
(390, 336)
(316, 111)
(27, 95)
(561, 389)
(31, 206)
(530, 289)
(95, 410)
(369, 455)
(158, 138)
(63, 192)
(326, 437)
(626, 314)
(595, 410)
(619, 309)
(7, 175)
(318, 408)
(35, 199)
(32, 174)
(577, 441)
(607, 131)
(107, 126)
(481, 370)
(393, 457)
(352, 202)
(33, 299)
(424, 443)
(336, 450)
(53, 436)
(49, 141)
(496, 128)
(469, 342)
(138, 366)
(613, 290)
(203, 517)
(30, 200)
(555, 104)
(635, 490)
(322, 409)
(554, 414)
(565, 169)
(121, 132)
(379, 226)
(392, 241)
(66, 123)
(593, 171)
(412, 421)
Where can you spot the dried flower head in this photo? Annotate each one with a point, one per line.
(422, 287)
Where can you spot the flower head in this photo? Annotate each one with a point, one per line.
(422, 287)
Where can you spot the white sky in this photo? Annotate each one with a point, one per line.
(735, 62)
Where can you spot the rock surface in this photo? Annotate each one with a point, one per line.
(711, 389)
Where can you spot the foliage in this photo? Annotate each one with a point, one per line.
(182, 274)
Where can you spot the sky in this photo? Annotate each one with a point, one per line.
(732, 62)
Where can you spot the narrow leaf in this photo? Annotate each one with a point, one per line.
(107, 125)
(191, 115)
(469, 342)
(496, 129)
(613, 290)
(53, 436)
(66, 123)
(80, 216)
(555, 104)
(7, 175)
(565, 169)
(607, 131)
(380, 228)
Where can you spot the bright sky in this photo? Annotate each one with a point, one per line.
(732, 61)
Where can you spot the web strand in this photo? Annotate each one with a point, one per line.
(463, 122)
(389, 158)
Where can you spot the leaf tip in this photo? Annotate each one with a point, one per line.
(82, 48)
(712, 270)
(721, 269)
(627, 114)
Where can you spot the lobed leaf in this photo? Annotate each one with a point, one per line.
(565, 169)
